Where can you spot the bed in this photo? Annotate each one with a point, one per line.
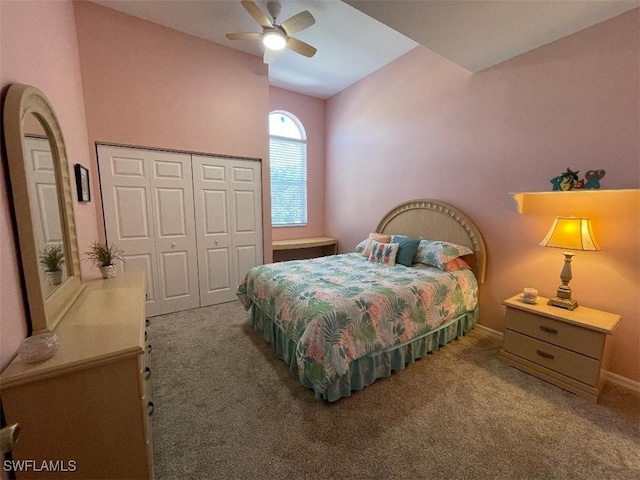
(340, 322)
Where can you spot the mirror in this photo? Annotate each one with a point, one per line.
(47, 226)
(43, 203)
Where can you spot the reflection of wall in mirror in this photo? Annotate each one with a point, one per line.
(45, 213)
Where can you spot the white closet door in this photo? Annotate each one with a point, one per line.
(175, 230)
(126, 203)
(212, 208)
(148, 207)
(45, 209)
(246, 211)
(228, 224)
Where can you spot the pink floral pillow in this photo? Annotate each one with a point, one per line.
(383, 252)
(378, 237)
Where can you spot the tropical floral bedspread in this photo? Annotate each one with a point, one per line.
(342, 307)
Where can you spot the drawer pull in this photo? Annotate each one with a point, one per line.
(147, 373)
(545, 354)
(150, 408)
(548, 330)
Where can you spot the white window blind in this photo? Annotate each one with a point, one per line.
(288, 158)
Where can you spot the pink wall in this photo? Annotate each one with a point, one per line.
(39, 48)
(424, 128)
(424, 120)
(152, 86)
(310, 111)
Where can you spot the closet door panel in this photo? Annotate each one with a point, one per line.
(175, 230)
(128, 213)
(218, 267)
(218, 261)
(175, 269)
(246, 206)
(148, 208)
(171, 213)
(134, 224)
(212, 204)
(247, 256)
(214, 207)
(144, 262)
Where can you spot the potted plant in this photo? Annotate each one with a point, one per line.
(102, 255)
(52, 259)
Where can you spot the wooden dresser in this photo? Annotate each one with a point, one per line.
(86, 411)
(566, 348)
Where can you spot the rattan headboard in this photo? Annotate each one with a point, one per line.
(435, 220)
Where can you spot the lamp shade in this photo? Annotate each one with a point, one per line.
(572, 233)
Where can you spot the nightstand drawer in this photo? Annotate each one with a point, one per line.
(581, 340)
(579, 367)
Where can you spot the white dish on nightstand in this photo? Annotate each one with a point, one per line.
(527, 300)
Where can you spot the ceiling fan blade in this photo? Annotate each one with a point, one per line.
(243, 36)
(256, 13)
(270, 55)
(298, 22)
(301, 47)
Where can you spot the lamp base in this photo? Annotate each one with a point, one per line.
(568, 303)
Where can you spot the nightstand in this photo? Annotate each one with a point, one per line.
(564, 347)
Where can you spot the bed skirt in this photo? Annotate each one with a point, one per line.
(363, 371)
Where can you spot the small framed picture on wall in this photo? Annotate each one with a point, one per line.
(82, 183)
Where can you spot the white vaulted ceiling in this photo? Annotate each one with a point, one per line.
(356, 38)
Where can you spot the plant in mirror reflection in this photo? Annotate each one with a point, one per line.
(52, 258)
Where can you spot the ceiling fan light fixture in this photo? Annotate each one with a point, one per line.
(276, 37)
(274, 40)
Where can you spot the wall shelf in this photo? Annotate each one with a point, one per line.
(575, 202)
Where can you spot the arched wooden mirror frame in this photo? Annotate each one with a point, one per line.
(45, 311)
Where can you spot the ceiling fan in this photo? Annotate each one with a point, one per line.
(276, 37)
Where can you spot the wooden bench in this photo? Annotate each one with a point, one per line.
(329, 245)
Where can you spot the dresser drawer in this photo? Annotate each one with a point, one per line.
(571, 364)
(577, 339)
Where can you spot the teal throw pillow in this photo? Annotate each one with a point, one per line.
(407, 250)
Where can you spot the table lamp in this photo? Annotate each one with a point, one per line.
(570, 233)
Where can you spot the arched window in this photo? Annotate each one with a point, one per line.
(288, 158)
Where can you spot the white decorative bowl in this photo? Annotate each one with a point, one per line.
(39, 348)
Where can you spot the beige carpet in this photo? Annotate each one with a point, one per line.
(226, 408)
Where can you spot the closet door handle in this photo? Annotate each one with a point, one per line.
(548, 330)
(545, 354)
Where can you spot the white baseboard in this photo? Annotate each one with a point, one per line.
(490, 331)
(608, 376)
(621, 381)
